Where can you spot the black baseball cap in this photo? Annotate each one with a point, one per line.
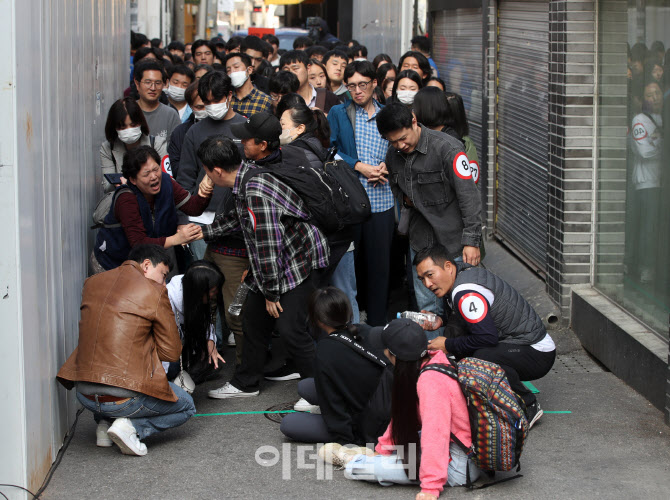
(218, 41)
(263, 126)
(404, 338)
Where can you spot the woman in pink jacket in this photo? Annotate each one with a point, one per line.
(417, 447)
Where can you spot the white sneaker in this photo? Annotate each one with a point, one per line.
(339, 456)
(305, 406)
(231, 340)
(125, 437)
(101, 437)
(230, 391)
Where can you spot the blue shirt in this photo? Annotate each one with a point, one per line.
(372, 150)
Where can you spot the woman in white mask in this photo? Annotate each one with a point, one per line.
(180, 77)
(407, 84)
(126, 129)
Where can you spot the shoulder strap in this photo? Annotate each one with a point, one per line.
(321, 99)
(119, 192)
(152, 141)
(358, 348)
(448, 370)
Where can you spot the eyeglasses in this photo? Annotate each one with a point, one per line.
(276, 97)
(362, 85)
(149, 84)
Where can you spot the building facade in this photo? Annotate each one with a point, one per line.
(566, 101)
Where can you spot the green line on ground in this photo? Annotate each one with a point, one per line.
(241, 413)
(545, 411)
(531, 388)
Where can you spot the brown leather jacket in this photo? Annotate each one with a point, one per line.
(127, 328)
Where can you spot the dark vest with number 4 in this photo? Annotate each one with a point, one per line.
(516, 320)
(112, 246)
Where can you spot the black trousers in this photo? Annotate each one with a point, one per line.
(520, 362)
(291, 326)
(373, 238)
(306, 427)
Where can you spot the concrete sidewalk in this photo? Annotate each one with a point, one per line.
(612, 444)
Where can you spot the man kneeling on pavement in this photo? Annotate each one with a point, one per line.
(127, 328)
(500, 325)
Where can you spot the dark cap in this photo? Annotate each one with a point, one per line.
(263, 126)
(404, 338)
(217, 41)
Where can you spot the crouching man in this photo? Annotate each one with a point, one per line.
(126, 329)
(500, 326)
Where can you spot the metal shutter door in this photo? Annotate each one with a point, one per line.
(457, 43)
(522, 128)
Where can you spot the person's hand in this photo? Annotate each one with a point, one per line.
(471, 255)
(188, 233)
(273, 308)
(123, 181)
(431, 326)
(244, 275)
(437, 344)
(425, 496)
(374, 174)
(206, 187)
(214, 355)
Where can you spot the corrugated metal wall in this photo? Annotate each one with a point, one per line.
(71, 63)
(383, 26)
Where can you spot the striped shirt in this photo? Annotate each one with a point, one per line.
(372, 150)
(283, 247)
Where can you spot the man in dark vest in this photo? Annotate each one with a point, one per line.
(500, 325)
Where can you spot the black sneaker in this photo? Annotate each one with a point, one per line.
(533, 413)
(283, 373)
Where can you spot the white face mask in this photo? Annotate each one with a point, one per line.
(285, 137)
(406, 96)
(129, 135)
(176, 93)
(216, 111)
(237, 78)
(200, 114)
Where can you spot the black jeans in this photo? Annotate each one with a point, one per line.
(306, 427)
(291, 326)
(520, 362)
(374, 238)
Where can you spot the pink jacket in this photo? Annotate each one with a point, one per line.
(442, 411)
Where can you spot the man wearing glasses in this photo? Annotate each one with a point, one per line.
(149, 79)
(354, 132)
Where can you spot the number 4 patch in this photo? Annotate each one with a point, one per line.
(473, 307)
(462, 166)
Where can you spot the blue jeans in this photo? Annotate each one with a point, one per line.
(148, 415)
(344, 278)
(427, 300)
(388, 469)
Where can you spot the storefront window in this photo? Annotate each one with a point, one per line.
(633, 195)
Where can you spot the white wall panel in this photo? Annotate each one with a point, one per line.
(383, 26)
(65, 53)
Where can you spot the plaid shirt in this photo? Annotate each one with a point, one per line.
(372, 150)
(255, 102)
(283, 248)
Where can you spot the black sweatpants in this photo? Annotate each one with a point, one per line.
(520, 362)
(306, 427)
(373, 238)
(291, 326)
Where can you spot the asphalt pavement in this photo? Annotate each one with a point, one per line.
(598, 439)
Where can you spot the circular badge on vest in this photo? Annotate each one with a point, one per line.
(165, 165)
(474, 168)
(473, 307)
(462, 166)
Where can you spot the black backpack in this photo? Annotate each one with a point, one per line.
(357, 197)
(329, 203)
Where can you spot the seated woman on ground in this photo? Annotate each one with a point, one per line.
(195, 298)
(125, 129)
(430, 457)
(342, 403)
(144, 210)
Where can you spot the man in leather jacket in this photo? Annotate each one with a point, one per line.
(126, 329)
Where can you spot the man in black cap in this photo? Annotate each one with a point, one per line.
(260, 138)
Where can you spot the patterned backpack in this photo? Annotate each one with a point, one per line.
(497, 419)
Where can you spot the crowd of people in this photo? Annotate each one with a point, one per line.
(193, 158)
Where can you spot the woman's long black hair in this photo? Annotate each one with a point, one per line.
(199, 309)
(331, 307)
(405, 412)
(314, 120)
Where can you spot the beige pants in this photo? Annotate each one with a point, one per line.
(232, 269)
